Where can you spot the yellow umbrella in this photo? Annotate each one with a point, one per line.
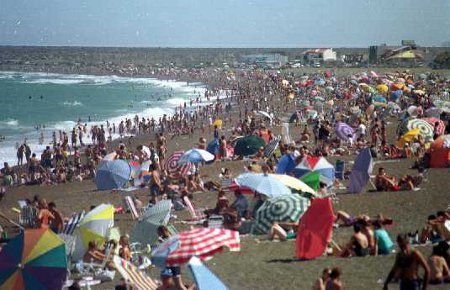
(382, 88)
(408, 137)
(294, 183)
(93, 227)
(218, 123)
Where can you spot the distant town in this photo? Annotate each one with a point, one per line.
(140, 61)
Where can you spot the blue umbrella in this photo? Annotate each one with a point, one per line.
(196, 156)
(213, 146)
(379, 99)
(361, 171)
(285, 164)
(112, 174)
(395, 95)
(204, 278)
(263, 183)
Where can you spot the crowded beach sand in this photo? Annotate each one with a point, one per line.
(376, 106)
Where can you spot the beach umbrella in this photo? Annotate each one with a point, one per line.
(213, 146)
(147, 151)
(419, 92)
(408, 137)
(34, 259)
(203, 277)
(315, 229)
(315, 163)
(312, 179)
(145, 231)
(112, 174)
(195, 156)
(285, 83)
(172, 166)
(396, 95)
(294, 183)
(361, 171)
(440, 128)
(379, 99)
(344, 130)
(263, 184)
(93, 227)
(319, 99)
(287, 208)
(426, 130)
(201, 242)
(133, 276)
(218, 123)
(382, 88)
(312, 114)
(285, 164)
(248, 145)
(413, 111)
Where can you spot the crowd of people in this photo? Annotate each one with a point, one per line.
(319, 103)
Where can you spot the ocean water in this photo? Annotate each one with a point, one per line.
(35, 102)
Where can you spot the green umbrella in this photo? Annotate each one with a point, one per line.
(312, 179)
(248, 145)
(145, 231)
(286, 208)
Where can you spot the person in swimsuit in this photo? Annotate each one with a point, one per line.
(334, 283)
(407, 265)
(358, 245)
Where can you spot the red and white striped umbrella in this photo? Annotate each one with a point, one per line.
(202, 242)
(172, 165)
(440, 128)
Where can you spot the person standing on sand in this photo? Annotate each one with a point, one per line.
(407, 265)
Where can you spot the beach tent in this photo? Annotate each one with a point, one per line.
(440, 152)
(361, 171)
(286, 164)
(112, 174)
(315, 163)
(315, 229)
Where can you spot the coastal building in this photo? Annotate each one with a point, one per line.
(272, 60)
(319, 55)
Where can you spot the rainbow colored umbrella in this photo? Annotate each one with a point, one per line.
(35, 259)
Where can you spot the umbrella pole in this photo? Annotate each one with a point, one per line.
(11, 221)
(335, 245)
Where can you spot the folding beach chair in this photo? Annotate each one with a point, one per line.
(131, 207)
(215, 222)
(225, 184)
(196, 214)
(339, 169)
(133, 276)
(72, 223)
(98, 270)
(28, 217)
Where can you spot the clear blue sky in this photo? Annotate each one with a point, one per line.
(223, 23)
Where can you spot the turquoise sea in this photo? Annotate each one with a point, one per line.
(31, 103)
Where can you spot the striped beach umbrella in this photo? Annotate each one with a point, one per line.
(195, 156)
(35, 259)
(93, 227)
(145, 231)
(133, 276)
(202, 242)
(172, 165)
(426, 130)
(287, 208)
(438, 124)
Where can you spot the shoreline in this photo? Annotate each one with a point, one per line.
(195, 86)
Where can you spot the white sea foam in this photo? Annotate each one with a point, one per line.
(9, 122)
(53, 81)
(72, 104)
